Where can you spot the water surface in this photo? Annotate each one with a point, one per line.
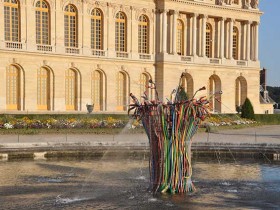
(122, 184)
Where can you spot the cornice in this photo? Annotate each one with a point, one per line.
(218, 7)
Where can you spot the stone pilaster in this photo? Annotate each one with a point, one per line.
(222, 37)
(185, 40)
(174, 31)
(248, 47)
(256, 41)
(230, 44)
(203, 37)
(194, 30)
(164, 30)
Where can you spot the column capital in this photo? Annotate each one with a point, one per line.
(222, 18)
(204, 16)
(231, 20)
(173, 12)
(249, 22)
(194, 15)
(256, 23)
(163, 10)
(157, 11)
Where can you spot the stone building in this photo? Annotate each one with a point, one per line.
(59, 55)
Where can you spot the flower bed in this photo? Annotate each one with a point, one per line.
(226, 121)
(71, 123)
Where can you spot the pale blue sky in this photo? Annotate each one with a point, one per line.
(269, 40)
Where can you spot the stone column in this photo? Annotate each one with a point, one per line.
(248, 47)
(243, 41)
(230, 39)
(203, 37)
(185, 52)
(256, 41)
(222, 37)
(174, 32)
(158, 31)
(194, 28)
(164, 30)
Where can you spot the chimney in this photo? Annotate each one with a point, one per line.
(263, 78)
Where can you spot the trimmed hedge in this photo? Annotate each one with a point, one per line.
(270, 119)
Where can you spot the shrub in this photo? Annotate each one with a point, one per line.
(182, 95)
(270, 119)
(247, 110)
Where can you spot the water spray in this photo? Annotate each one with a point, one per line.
(170, 128)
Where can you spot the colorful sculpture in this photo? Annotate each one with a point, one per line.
(170, 127)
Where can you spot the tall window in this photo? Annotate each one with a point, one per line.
(187, 85)
(71, 89)
(208, 46)
(180, 37)
(235, 43)
(121, 91)
(70, 26)
(240, 91)
(43, 89)
(97, 90)
(42, 23)
(96, 30)
(13, 88)
(120, 36)
(215, 100)
(144, 82)
(143, 35)
(11, 21)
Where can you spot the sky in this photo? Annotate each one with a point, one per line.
(269, 40)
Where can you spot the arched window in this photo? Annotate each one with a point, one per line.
(240, 91)
(97, 90)
(235, 43)
(187, 85)
(180, 37)
(214, 89)
(43, 89)
(144, 83)
(42, 23)
(208, 46)
(70, 26)
(13, 88)
(12, 21)
(96, 29)
(143, 35)
(71, 89)
(120, 33)
(121, 91)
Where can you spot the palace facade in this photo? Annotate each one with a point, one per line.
(59, 55)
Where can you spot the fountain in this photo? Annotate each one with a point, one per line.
(170, 127)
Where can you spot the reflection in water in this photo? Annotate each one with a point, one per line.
(229, 171)
(123, 184)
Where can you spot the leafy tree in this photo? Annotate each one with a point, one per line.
(182, 95)
(247, 110)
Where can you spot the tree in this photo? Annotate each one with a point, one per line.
(182, 95)
(247, 110)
